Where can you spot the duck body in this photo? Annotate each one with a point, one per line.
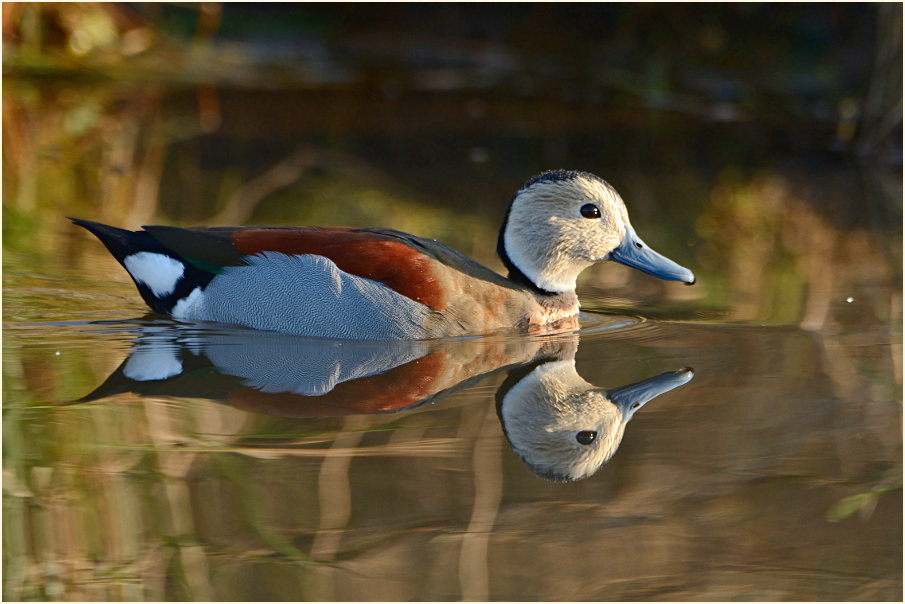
(381, 284)
(368, 284)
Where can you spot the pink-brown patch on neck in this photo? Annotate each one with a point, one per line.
(562, 307)
(400, 267)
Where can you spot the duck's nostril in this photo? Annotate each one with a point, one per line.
(639, 245)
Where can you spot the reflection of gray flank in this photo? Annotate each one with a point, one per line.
(311, 367)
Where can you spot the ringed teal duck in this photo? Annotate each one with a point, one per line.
(381, 284)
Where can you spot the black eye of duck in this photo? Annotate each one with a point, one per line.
(586, 437)
(589, 210)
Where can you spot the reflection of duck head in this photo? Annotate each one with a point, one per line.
(564, 428)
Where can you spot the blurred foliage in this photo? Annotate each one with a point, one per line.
(862, 503)
(736, 63)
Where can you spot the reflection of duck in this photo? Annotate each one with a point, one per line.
(291, 376)
(564, 428)
(383, 284)
(561, 426)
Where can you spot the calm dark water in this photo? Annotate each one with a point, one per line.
(148, 460)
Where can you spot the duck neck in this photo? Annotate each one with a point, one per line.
(515, 273)
(565, 303)
(554, 308)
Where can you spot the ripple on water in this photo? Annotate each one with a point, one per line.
(638, 329)
(592, 322)
(129, 327)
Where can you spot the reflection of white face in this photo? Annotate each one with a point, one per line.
(563, 427)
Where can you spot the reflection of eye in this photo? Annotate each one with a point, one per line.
(589, 210)
(586, 437)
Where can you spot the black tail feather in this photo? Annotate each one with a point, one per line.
(122, 243)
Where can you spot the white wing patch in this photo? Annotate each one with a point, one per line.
(158, 271)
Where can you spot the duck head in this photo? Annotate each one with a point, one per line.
(566, 429)
(561, 222)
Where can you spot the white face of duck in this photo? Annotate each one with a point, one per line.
(562, 222)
